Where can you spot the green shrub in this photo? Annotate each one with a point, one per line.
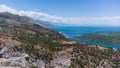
(34, 67)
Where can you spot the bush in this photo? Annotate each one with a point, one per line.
(34, 67)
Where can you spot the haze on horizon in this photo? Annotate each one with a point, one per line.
(71, 12)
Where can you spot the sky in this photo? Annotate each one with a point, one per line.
(73, 12)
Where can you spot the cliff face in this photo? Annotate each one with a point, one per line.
(27, 43)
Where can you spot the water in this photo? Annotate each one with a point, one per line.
(72, 31)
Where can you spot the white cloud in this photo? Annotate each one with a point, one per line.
(115, 20)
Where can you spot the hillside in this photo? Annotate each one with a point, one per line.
(27, 43)
(110, 38)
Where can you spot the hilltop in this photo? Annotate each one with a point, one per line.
(26, 43)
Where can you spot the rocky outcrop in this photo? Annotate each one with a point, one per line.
(9, 58)
(105, 64)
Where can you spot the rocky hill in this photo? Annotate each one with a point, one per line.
(16, 19)
(29, 44)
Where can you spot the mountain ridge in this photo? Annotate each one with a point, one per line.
(18, 19)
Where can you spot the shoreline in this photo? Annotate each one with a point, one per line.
(70, 33)
(97, 43)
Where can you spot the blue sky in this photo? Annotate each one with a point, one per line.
(68, 8)
(71, 9)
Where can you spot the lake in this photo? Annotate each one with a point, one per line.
(72, 31)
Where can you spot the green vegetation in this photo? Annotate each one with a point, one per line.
(34, 67)
(111, 38)
(45, 42)
(35, 40)
(3, 24)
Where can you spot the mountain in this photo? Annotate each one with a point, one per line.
(26, 43)
(16, 19)
(50, 24)
(34, 39)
